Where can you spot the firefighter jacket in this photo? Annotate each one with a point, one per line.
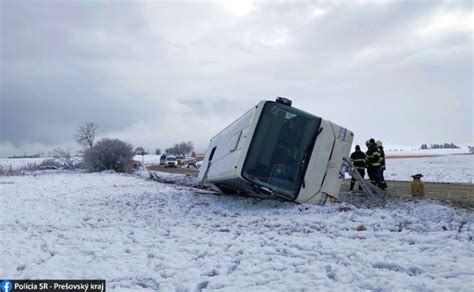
(382, 158)
(358, 159)
(373, 156)
(417, 188)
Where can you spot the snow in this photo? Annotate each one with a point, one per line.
(419, 152)
(148, 159)
(449, 168)
(140, 234)
(18, 163)
(171, 178)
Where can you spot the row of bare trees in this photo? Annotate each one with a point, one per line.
(140, 150)
(181, 148)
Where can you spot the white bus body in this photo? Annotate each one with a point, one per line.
(277, 151)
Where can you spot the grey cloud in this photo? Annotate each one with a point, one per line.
(55, 75)
(147, 71)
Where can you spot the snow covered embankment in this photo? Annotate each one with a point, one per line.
(146, 235)
(449, 168)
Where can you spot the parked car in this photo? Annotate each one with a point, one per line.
(180, 159)
(171, 161)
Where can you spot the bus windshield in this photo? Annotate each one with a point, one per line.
(280, 149)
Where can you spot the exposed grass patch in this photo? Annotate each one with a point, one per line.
(10, 169)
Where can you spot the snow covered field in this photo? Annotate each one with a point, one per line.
(449, 168)
(418, 152)
(140, 234)
(18, 163)
(148, 159)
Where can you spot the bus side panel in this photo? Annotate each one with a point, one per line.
(231, 146)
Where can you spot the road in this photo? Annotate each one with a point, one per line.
(180, 169)
(455, 194)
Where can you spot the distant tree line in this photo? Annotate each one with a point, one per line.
(439, 146)
(140, 150)
(182, 148)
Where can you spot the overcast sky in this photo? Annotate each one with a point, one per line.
(155, 73)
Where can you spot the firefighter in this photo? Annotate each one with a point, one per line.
(417, 186)
(358, 160)
(369, 170)
(373, 162)
(382, 164)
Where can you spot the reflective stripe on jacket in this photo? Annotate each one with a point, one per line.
(373, 156)
(382, 157)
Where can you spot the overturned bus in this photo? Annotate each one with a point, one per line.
(277, 151)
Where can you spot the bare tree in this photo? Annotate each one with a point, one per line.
(64, 157)
(85, 134)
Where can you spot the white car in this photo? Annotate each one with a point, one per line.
(180, 159)
(171, 161)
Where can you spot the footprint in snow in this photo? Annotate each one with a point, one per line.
(20, 268)
(202, 285)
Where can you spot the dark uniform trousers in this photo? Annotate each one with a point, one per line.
(358, 159)
(373, 165)
(361, 171)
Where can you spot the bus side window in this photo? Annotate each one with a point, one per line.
(212, 153)
(234, 141)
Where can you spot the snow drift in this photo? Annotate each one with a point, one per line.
(139, 234)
